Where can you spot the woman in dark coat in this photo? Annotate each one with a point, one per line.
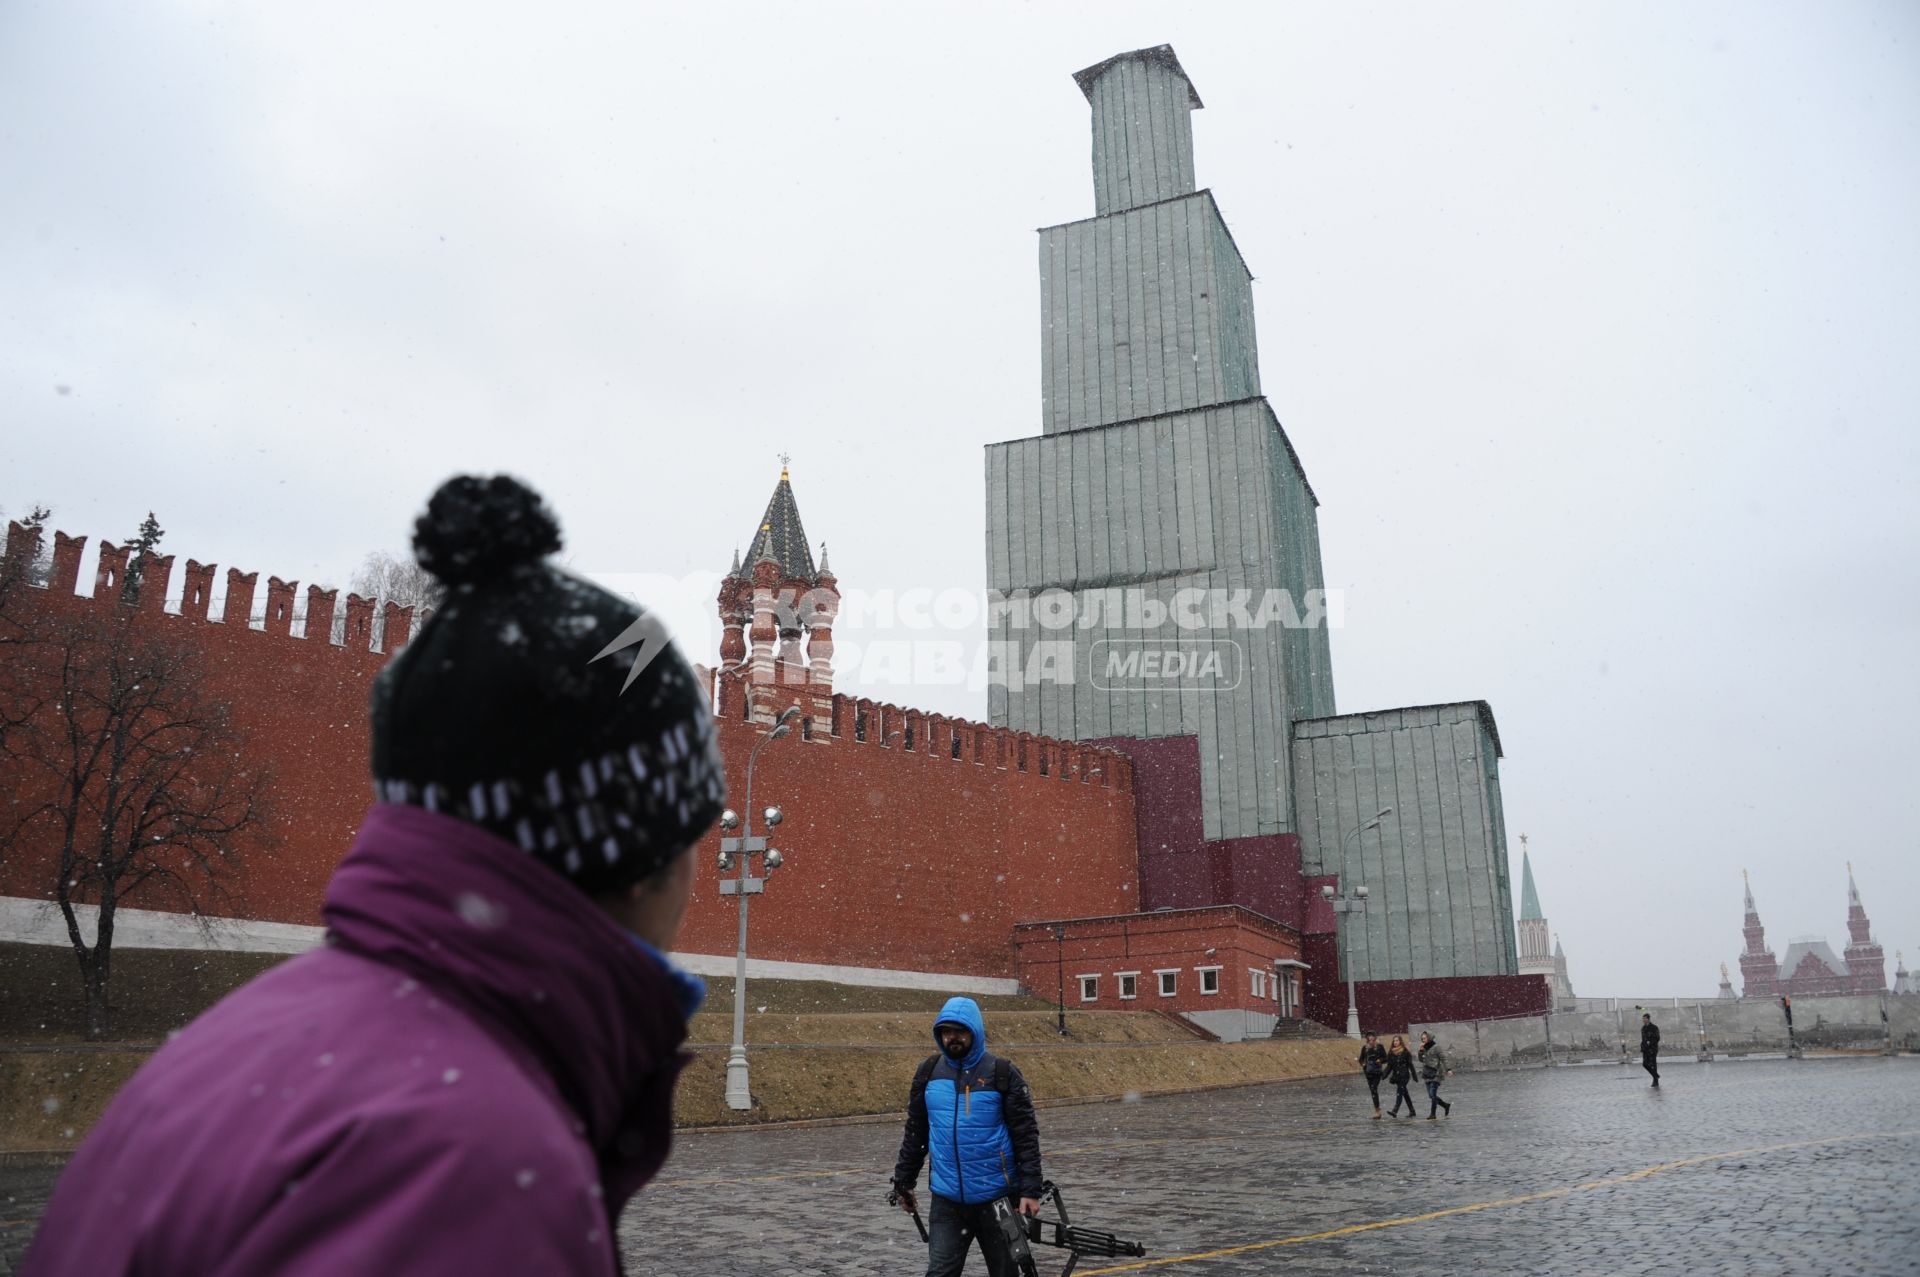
(1400, 1072)
(1373, 1063)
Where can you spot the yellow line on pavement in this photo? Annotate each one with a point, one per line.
(1612, 1180)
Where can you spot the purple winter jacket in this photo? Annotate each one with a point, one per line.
(473, 1076)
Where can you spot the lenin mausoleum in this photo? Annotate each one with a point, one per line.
(1138, 840)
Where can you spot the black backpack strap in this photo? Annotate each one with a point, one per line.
(913, 1141)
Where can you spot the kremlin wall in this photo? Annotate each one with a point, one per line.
(921, 855)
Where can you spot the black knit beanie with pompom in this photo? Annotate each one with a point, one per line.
(509, 711)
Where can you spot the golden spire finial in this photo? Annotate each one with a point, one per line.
(785, 460)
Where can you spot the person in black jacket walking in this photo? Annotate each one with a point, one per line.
(1650, 1047)
(1433, 1071)
(1400, 1072)
(1373, 1063)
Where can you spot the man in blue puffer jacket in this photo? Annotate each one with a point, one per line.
(973, 1112)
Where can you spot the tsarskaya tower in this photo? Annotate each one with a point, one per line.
(1164, 538)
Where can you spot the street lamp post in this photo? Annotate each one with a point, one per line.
(1060, 960)
(1351, 901)
(742, 850)
(1354, 902)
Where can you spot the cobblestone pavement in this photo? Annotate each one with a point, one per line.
(1749, 1167)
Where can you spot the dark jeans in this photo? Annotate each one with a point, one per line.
(952, 1228)
(1403, 1098)
(1373, 1084)
(1435, 1103)
(1650, 1061)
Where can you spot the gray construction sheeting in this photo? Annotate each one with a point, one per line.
(1142, 133)
(1441, 902)
(1209, 499)
(1144, 312)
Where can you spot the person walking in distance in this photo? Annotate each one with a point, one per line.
(972, 1112)
(1650, 1047)
(476, 1071)
(1400, 1072)
(1433, 1071)
(1373, 1064)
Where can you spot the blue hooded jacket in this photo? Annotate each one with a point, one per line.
(984, 1143)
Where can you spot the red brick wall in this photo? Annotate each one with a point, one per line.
(1180, 939)
(1166, 791)
(1389, 1006)
(912, 859)
(1179, 868)
(895, 857)
(304, 705)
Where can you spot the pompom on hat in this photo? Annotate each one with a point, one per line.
(525, 706)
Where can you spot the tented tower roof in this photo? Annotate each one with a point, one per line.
(1529, 898)
(781, 537)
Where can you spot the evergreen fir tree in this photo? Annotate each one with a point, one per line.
(144, 542)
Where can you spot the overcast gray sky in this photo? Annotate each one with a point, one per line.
(1594, 327)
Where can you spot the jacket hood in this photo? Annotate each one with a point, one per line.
(531, 957)
(964, 1012)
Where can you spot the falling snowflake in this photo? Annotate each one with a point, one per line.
(479, 912)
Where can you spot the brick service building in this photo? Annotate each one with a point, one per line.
(1085, 836)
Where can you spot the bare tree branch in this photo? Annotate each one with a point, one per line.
(141, 781)
(386, 579)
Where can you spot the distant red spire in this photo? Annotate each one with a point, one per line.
(1759, 973)
(1866, 961)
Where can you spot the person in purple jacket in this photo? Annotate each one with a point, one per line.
(476, 1072)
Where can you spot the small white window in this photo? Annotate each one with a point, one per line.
(1129, 984)
(1089, 988)
(1169, 982)
(1257, 982)
(1209, 979)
